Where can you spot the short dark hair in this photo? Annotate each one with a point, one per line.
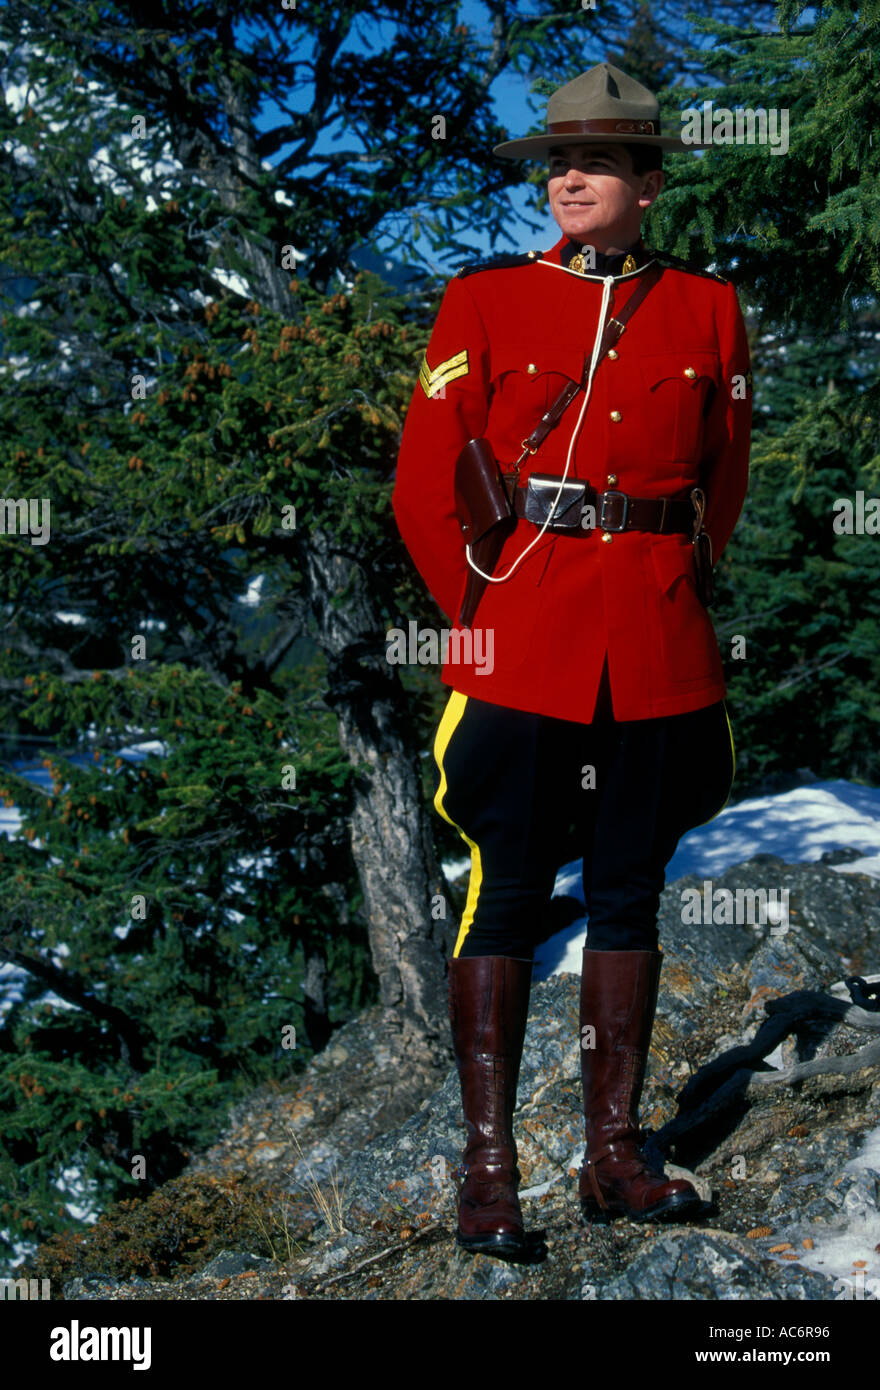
(645, 158)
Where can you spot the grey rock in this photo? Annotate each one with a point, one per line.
(230, 1262)
(819, 1210)
(782, 964)
(711, 1265)
(863, 1197)
(102, 1287)
(92, 1287)
(335, 1255)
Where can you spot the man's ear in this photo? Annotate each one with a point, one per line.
(651, 187)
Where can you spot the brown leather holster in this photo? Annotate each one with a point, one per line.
(485, 513)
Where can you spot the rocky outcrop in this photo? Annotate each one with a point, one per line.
(763, 1086)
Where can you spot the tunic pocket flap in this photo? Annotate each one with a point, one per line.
(534, 361)
(690, 368)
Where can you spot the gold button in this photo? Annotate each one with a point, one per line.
(616, 416)
(607, 537)
(689, 371)
(611, 479)
(531, 369)
(612, 354)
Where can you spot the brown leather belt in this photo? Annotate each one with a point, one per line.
(615, 511)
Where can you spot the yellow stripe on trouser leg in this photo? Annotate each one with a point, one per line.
(732, 753)
(732, 759)
(732, 770)
(448, 724)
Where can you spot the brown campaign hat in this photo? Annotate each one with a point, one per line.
(603, 106)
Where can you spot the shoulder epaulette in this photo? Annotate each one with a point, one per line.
(677, 263)
(505, 262)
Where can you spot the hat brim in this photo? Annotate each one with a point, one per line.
(535, 146)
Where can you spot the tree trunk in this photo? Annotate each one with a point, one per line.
(317, 1016)
(391, 839)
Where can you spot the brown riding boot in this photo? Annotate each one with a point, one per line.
(619, 997)
(488, 1006)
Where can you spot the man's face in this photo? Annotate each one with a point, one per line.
(594, 195)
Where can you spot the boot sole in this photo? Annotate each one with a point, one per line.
(670, 1209)
(492, 1243)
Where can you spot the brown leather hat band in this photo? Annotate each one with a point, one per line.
(604, 127)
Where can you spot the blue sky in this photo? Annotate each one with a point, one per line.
(510, 100)
(510, 97)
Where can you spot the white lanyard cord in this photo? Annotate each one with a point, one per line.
(607, 282)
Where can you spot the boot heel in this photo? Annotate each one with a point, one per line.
(492, 1243)
(593, 1214)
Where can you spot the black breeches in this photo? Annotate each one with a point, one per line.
(514, 784)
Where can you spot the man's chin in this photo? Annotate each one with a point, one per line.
(578, 231)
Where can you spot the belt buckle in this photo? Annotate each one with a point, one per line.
(603, 524)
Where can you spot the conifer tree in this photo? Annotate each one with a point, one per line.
(212, 414)
(797, 231)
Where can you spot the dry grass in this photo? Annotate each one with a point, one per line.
(328, 1201)
(275, 1227)
(276, 1222)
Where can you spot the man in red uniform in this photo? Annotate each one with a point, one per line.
(603, 701)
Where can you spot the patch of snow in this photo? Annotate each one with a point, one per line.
(232, 281)
(848, 1251)
(252, 594)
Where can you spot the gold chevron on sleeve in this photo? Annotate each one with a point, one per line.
(433, 380)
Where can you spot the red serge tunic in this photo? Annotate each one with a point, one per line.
(672, 410)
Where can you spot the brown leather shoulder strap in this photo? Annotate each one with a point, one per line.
(617, 324)
(613, 329)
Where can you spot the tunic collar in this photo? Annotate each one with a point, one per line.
(598, 265)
